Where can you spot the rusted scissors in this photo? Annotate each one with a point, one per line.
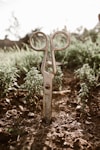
(60, 40)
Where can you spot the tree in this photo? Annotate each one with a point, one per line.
(14, 27)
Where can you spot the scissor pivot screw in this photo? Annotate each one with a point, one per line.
(47, 86)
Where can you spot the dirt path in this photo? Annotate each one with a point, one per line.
(21, 126)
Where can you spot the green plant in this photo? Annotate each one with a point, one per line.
(77, 54)
(57, 81)
(83, 94)
(8, 78)
(25, 60)
(33, 82)
(88, 81)
(86, 74)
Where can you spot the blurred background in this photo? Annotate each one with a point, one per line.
(19, 17)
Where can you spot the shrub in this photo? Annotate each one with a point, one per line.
(57, 81)
(33, 82)
(8, 78)
(88, 82)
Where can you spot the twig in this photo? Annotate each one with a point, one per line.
(61, 92)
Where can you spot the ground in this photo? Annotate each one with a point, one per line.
(22, 127)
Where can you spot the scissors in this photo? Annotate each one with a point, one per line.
(39, 41)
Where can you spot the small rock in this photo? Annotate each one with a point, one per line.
(7, 100)
(78, 108)
(11, 148)
(80, 144)
(87, 122)
(21, 108)
(30, 114)
(65, 143)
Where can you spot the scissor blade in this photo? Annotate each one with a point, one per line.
(47, 97)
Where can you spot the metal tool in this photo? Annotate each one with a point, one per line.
(49, 44)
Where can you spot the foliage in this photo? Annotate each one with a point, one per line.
(57, 81)
(13, 64)
(33, 82)
(24, 60)
(16, 63)
(8, 78)
(76, 55)
(87, 74)
(88, 81)
(83, 57)
(21, 59)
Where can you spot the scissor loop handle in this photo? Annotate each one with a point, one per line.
(63, 40)
(39, 41)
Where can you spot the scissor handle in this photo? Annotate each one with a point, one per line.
(33, 38)
(67, 39)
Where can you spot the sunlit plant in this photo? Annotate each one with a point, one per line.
(33, 82)
(8, 78)
(88, 82)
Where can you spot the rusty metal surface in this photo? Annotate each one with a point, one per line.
(48, 44)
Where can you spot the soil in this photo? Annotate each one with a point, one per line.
(71, 128)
